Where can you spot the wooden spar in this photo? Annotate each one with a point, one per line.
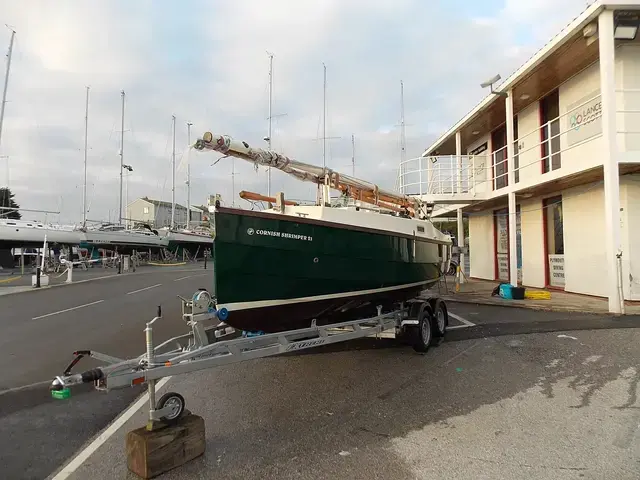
(256, 197)
(353, 187)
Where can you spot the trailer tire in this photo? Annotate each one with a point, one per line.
(423, 333)
(176, 402)
(440, 318)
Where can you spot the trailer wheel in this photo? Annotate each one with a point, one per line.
(423, 333)
(175, 402)
(440, 318)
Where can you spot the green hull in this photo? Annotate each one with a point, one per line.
(303, 267)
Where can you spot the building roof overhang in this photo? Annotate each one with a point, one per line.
(568, 53)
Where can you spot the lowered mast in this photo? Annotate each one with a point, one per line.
(350, 186)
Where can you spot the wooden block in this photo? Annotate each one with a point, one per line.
(150, 454)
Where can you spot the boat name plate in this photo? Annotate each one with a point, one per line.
(271, 233)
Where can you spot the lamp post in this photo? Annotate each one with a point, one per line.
(129, 169)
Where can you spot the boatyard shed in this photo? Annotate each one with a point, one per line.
(157, 213)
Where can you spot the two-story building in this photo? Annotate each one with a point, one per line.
(547, 166)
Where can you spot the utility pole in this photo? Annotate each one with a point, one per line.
(173, 173)
(189, 178)
(353, 155)
(84, 184)
(4, 92)
(121, 157)
(270, 116)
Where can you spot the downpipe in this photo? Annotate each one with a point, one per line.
(620, 288)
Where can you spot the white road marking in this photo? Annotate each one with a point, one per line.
(567, 336)
(24, 387)
(143, 289)
(463, 320)
(456, 327)
(189, 276)
(68, 309)
(79, 459)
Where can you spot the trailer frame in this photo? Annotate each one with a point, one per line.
(419, 321)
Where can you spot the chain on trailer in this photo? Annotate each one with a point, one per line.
(212, 343)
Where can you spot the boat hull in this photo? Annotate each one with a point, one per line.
(123, 240)
(279, 272)
(16, 233)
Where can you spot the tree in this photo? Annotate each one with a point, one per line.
(6, 200)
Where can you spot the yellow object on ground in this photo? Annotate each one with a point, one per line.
(166, 264)
(537, 295)
(10, 279)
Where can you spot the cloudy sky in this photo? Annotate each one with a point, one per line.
(206, 62)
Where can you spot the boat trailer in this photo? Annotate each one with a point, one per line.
(419, 321)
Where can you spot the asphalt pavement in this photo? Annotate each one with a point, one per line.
(543, 406)
(335, 412)
(41, 329)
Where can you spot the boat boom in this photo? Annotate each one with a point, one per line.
(353, 187)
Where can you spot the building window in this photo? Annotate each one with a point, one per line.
(499, 149)
(145, 210)
(550, 131)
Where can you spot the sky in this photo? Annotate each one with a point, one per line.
(207, 63)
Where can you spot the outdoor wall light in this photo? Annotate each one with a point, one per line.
(490, 82)
(626, 26)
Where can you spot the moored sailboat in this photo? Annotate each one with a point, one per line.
(284, 267)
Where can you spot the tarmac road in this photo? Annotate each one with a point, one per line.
(542, 406)
(41, 329)
(40, 434)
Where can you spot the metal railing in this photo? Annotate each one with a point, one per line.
(628, 120)
(440, 174)
(536, 153)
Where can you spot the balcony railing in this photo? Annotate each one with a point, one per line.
(565, 145)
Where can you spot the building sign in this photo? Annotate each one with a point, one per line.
(502, 244)
(503, 235)
(479, 149)
(556, 270)
(503, 267)
(584, 120)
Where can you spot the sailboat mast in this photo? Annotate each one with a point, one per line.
(189, 178)
(84, 184)
(270, 116)
(173, 173)
(403, 137)
(353, 155)
(4, 91)
(121, 157)
(324, 117)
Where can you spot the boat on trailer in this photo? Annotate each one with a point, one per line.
(283, 267)
(377, 260)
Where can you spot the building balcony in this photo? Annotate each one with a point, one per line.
(565, 149)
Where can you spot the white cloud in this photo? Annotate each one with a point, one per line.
(206, 62)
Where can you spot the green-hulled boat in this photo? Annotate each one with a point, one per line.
(284, 267)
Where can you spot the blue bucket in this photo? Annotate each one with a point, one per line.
(505, 291)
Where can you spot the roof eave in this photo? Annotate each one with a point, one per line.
(540, 56)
